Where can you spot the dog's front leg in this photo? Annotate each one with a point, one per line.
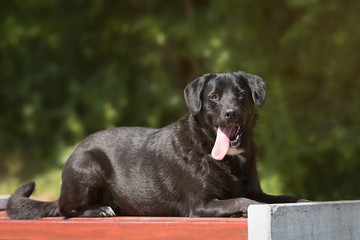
(224, 208)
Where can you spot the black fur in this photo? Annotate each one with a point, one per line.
(168, 171)
(20, 206)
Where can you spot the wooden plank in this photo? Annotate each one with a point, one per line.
(132, 228)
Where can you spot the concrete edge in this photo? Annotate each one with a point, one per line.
(310, 220)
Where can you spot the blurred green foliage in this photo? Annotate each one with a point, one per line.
(70, 68)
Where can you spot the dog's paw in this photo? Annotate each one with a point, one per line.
(101, 211)
(244, 207)
(107, 211)
(303, 201)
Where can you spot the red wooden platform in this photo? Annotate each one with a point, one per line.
(124, 228)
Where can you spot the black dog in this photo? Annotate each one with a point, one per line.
(203, 165)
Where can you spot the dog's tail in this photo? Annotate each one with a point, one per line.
(20, 206)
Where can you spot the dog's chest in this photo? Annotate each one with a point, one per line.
(228, 178)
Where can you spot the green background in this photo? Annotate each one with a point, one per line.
(70, 68)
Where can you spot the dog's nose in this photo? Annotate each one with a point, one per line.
(231, 114)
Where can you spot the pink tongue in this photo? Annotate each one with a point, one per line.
(222, 143)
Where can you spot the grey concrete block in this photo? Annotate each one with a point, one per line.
(3, 201)
(314, 220)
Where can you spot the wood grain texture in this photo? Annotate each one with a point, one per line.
(133, 228)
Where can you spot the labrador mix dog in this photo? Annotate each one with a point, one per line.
(201, 166)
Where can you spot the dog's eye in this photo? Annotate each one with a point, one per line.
(241, 94)
(214, 97)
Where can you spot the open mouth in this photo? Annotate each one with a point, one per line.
(226, 138)
(235, 135)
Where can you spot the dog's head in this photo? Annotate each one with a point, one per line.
(226, 101)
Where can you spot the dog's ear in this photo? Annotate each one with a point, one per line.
(192, 94)
(257, 87)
